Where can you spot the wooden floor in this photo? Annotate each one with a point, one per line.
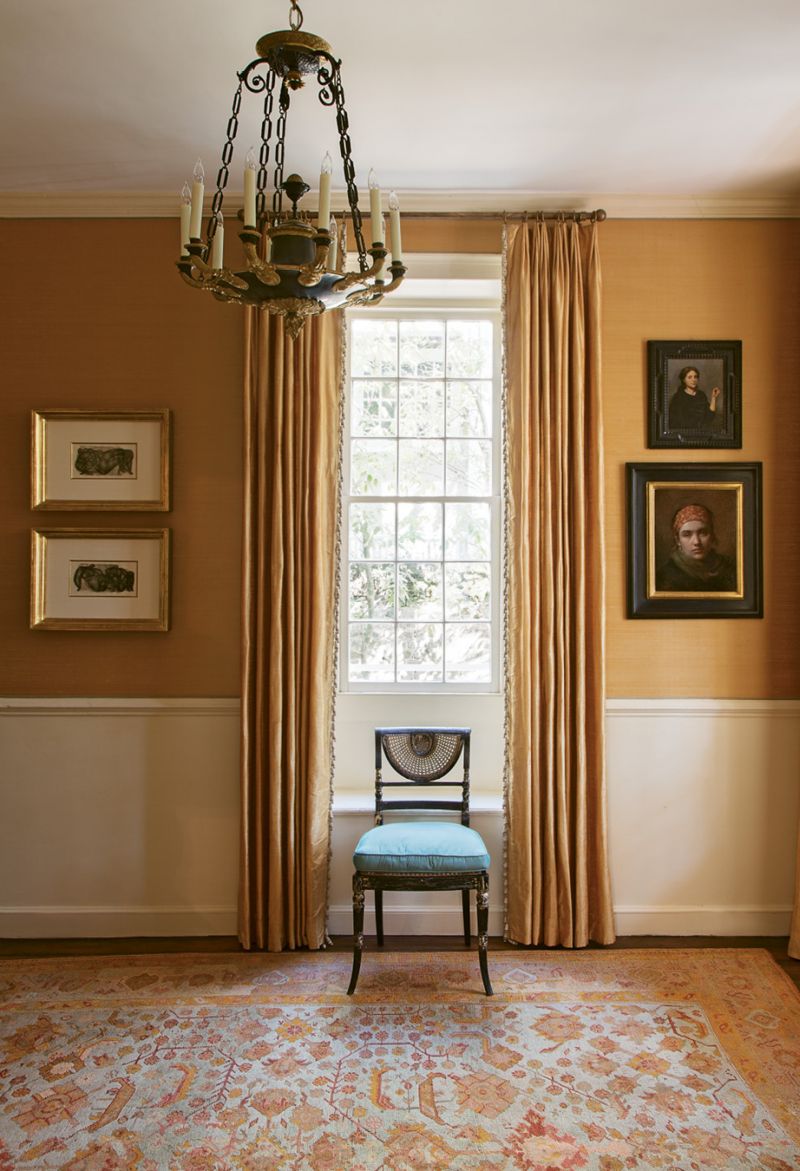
(776, 946)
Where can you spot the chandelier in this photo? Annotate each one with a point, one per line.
(294, 263)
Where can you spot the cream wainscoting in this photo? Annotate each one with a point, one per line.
(120, 817)
(702, 813)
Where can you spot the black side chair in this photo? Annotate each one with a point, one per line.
(425, 854)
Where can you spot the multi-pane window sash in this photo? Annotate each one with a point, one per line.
(420, 596)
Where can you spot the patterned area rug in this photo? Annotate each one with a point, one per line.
(605, 1060)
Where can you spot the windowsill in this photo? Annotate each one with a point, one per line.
(349, 803)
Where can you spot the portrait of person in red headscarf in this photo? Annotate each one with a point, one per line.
(695, 563)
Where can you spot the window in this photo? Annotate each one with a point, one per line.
(421, 590)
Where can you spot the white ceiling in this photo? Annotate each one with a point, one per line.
(525, 102)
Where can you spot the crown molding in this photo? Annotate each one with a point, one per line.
(160, 205)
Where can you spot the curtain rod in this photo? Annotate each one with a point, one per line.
(597, 216)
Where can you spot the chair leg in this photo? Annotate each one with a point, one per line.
(379, 916)
(358, 930)
(465, 909)
(483, 932)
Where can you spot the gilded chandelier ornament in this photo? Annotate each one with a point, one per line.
(295, 264)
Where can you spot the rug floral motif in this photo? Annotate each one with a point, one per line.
(600, 1060)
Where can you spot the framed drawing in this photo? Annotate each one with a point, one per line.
(100, 579)
(694, 540)
(694, 394)
(111, 460)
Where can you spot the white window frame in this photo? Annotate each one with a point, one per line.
(425, 309)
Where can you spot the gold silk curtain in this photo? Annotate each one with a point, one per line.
(794, 939)
(292, 444)
(557, 884)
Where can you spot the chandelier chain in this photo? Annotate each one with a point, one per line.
(280, 144)
(343, 124)
(227, 154)
(295, 17)
(263, 155)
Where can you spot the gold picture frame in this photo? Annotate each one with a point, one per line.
(100, 579)
(112, 461)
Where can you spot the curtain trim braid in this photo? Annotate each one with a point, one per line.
(337, 587)
(504, 571)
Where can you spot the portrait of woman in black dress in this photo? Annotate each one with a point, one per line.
(690, 408)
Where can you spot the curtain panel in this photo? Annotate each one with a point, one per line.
(794, 938)
(292, 460)
(557, 883)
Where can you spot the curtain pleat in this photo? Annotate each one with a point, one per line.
(557, 884)
(292, 446)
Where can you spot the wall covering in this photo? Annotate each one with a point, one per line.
(118, 818)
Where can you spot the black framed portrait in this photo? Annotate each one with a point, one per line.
(694, 394)
(694, 540)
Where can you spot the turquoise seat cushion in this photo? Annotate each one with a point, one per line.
(418, 847)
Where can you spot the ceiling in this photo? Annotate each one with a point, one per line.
(692, 103)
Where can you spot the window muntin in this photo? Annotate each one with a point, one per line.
(420, 597)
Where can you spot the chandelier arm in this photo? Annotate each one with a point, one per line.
(265, 272)
(378, 254)
(196, 272)
(372, 296)
(311, 274)
(378, 290)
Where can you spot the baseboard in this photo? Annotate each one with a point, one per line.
(405, 919)
(702, 920)
(114, 922)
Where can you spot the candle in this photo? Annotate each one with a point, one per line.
(217, 243)
(250, 189)
(325, 192)
(198, 190)
(333, 251)
(394, 228)
(186, 212)
(375, 209)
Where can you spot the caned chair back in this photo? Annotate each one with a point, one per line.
(423, 758)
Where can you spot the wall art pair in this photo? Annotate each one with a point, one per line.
(109, 579)
(694, 529)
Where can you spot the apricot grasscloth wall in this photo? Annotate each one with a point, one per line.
(76, 336)
(714, 279)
